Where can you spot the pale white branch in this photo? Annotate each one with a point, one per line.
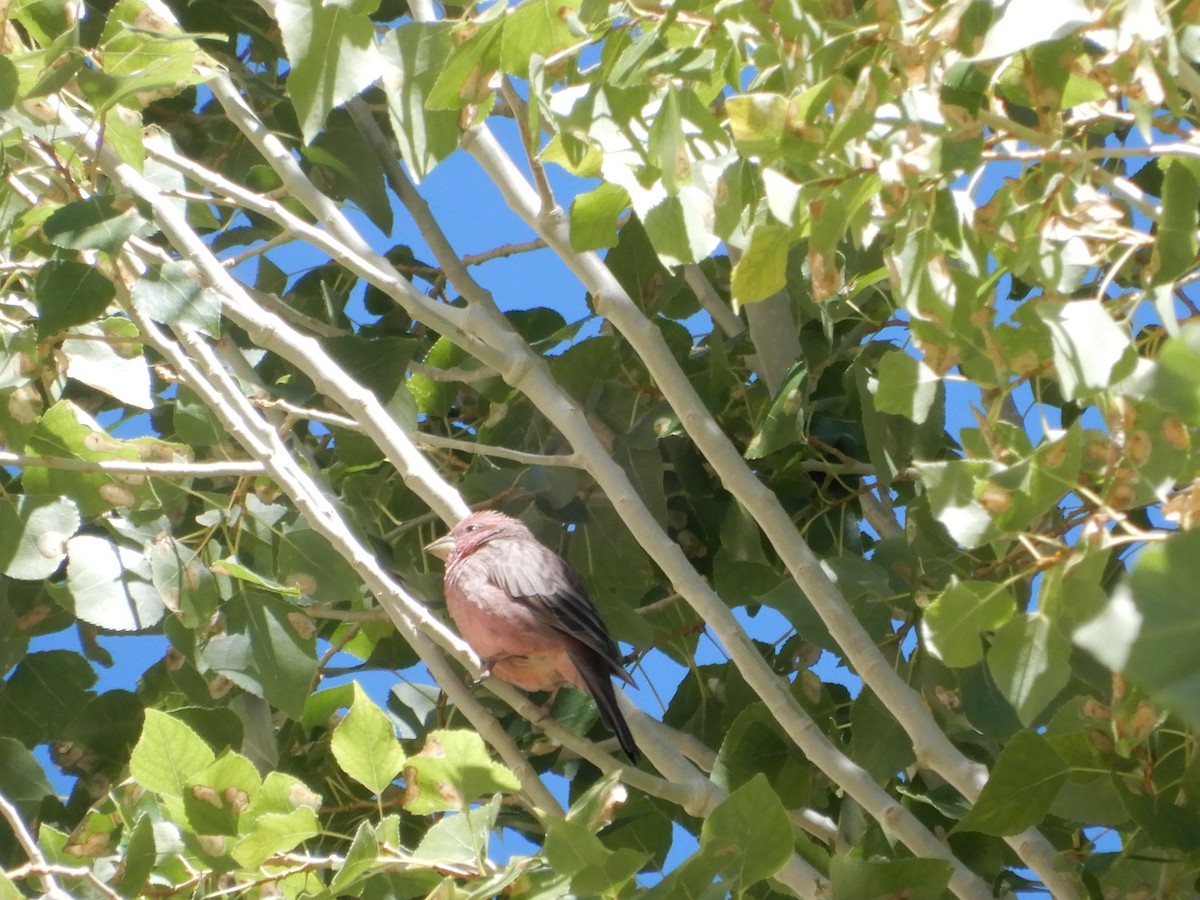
(710, 301)
(934, 749)
(207, 469)
(205, 374)
(38, 864)
(527, 373)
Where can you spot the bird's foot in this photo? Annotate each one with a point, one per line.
(548, 707)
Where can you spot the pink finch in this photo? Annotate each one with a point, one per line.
(525, 611)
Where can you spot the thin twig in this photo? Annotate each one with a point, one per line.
(38, 864)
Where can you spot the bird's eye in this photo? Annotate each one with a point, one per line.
(472, 528)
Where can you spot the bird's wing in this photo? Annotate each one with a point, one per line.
(540, 578)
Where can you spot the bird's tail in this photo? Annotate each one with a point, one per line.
(598, 681)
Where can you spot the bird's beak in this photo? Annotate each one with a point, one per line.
(442, 547)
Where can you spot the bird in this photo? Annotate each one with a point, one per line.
(526, 613)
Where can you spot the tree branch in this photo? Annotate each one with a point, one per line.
(526, 372)
(934, 749)
(206, 469)
(711, 302)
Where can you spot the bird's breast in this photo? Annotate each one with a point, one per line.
(492, 622)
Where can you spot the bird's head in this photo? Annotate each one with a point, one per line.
(473, 532)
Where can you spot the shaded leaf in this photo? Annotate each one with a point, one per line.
(914, 879)
(99, 223)
(750, 833)
(1030, 662)
(70, 293)
(1023, 784)
(333, 55)
(172, 294)
(264, 652)
(426, 135)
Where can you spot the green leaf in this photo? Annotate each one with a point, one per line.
(168, 755)
(333, 56)
(308, 562)
(275, 833)
(379, 364)
(434, 398)
(952, 489)
(1091, 351)
(595, 871)
(680, 227)
(750, 833)
(667, 144)
(426, 135)
(264, 651)
(570, 847)
(1174, 384)
(595, 216)
(23, 782)
(33, 534)
(361, 859)
(108, 356)
(9, 82)
(66, 431)
(757, 122)
(852, 878)
(906, 387)
(609, 877)
(1024, 782)
(1150, 628)
(232, 568)
(144, 54)
(452, 770)
(172, 294)
(464, 77)
(111, 585)
(697, 878)
(762, 269)
(280, 795)
(44, 694)
(365, 746)
(138, 858)
(352, 169)
(460, 838)
(1024, 23)
(321, 707)
(1166, 822)
(756, 744)
(535, 27)
(70, 293)
(879, 743)
(784, 422)
(216, 797)
(98, 223)
(185, 583)
(1030, 663)
(953, 622)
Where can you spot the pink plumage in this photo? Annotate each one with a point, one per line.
(524, 610)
